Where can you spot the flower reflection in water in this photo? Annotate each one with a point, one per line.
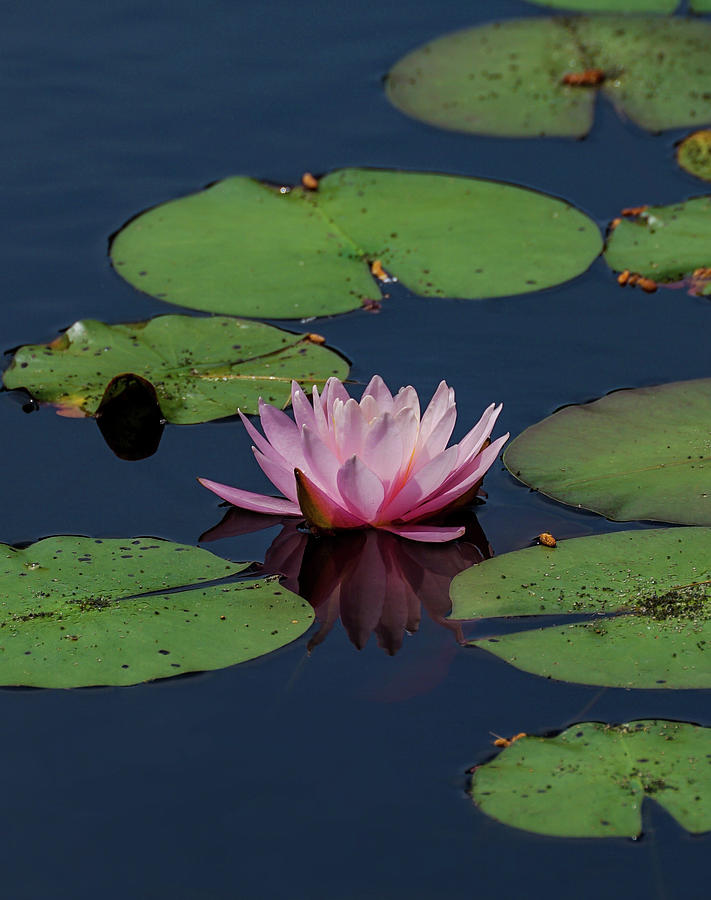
(373, 580)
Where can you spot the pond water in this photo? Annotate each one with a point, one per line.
(336, 773)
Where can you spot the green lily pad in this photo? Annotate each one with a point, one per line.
(245, 248)
(666, 244)
(644, 598)
(202, 369)
(78, 611)
(694, 154)
(593, 779)
(512, 78)
(634, 454)
(620, 6)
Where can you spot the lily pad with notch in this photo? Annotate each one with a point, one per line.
(592, 779)
(79, 611)
(640, 604)
(666, 243)
(634, 454)
(247, 248)
(541, 76)
(201, 368)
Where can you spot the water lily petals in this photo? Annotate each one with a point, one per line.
(320, 510)
(280, 473)
(422, 485)
(348, 429)
(441, 400)
(303, 411)
(381, 394)
(361, 489)
(427, 533)
(383, 450)
(471, 443)
(438, 439)
(321, 464)
(320, 421)
(406, 398)
(350, 464)
(260, 442)
(282, 433)
(462, 484)
(255, 502)
(333, 390)
(408, 425)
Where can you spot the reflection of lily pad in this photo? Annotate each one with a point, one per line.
(694, 154)
(202, 369)
(635, 454)
(591, 780)
(509, 78)
(244, 248)
(645, 597)
(78, 611)
(666, 243)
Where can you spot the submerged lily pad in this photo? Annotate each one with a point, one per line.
(592, 779)
(202, 369)
(78, 611)
(643, 598)
(536, 77)
(694, 154)
(245, 248)
(634, 454)
(666, 243)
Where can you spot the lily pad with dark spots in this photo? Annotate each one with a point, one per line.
(246, 248)
(540, 77)
(201, 368)
(592, 780)
(78, 611)
(634, 454)
(630, 609)
(666, 244)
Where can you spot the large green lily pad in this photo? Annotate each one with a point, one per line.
(592, 779)
(77, 611)
(245, 248)
(643, 598)
(509, 78)
(634, 454)
(666, 243)
(202, 369)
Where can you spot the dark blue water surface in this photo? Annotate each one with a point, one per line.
(339, 774)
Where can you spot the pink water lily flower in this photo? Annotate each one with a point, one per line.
(374, 463)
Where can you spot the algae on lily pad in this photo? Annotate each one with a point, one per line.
(643, 599)
(694, 154)
(79, 611)
(246, 248)
(202, 368)
(592, 780)
(666, 244)
(634, 454)
(540, 77)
